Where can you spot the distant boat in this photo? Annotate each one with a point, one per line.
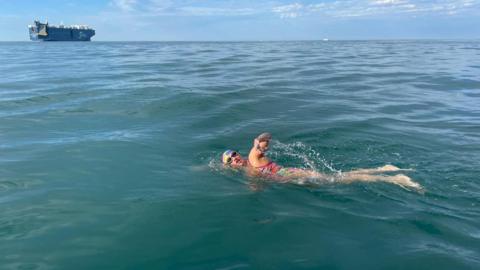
(325, 39)
(45, 32)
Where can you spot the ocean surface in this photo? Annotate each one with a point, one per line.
(109, 154)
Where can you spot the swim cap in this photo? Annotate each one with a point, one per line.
(227, 156)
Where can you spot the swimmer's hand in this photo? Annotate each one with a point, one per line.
(260, 149)
(256, 145)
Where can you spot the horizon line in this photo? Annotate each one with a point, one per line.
(266, 40)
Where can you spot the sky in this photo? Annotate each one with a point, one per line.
(237, 20)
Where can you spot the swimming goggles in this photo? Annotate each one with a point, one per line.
(228, 156)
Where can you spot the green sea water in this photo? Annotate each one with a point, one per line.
(109, 154)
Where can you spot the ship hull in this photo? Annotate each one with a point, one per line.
(43, 32)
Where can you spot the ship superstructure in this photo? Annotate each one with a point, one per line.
(46, 32)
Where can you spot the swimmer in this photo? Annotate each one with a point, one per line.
(234, 160)
(258, 164)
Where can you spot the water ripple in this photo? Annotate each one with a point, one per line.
(104, 143)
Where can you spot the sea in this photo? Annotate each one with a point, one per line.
(110, 154)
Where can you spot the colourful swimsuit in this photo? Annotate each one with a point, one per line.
(272, 168)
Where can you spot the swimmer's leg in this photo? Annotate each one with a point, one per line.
(399, 179)
(307, 173)
(288, 174)
(386, 168)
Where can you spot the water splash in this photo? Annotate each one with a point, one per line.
(306, 155)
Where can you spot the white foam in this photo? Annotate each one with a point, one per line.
(309, 158)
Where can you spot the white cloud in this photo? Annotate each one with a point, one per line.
(388, 2)
(368, 8)
(468, 3)
(334, 9)
(211, 11)
(289, 11)
(148, 8)
(124, 5)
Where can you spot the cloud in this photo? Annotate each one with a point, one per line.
(295, 9)
(369, 8)
(149, 8)
(289, 11)
(388, 2)
(124, 5)
(211, 11)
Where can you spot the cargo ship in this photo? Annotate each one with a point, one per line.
(45, 32)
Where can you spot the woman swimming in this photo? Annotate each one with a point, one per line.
(258, 164)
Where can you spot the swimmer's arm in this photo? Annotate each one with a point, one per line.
(256, 156)
(256, 148)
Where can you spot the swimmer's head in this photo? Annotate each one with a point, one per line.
(233, 158)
